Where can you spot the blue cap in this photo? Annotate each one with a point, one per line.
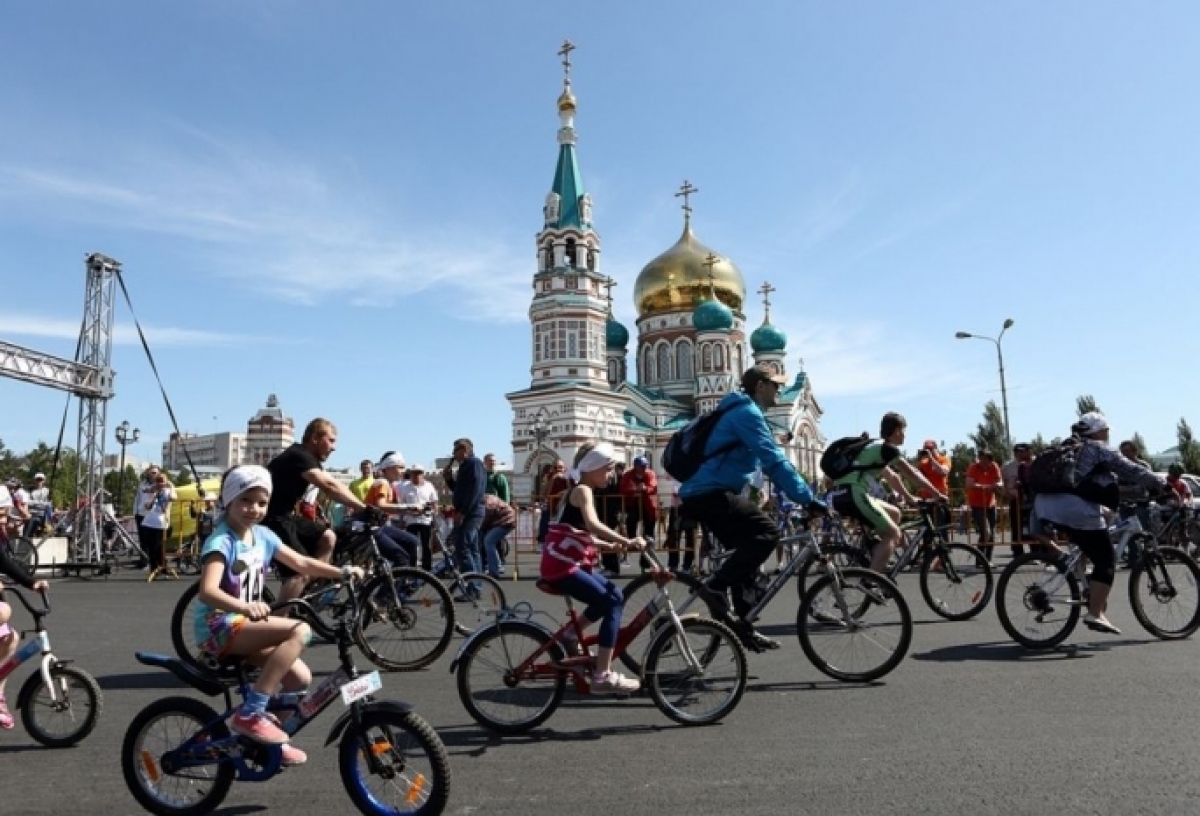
(640, 460)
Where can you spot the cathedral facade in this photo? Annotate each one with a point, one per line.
(690, 352)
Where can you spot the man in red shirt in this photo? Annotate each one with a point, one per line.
(935, 466)
(1178, 485)
(639, 488)
(983, 483)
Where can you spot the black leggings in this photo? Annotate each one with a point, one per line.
(1097, 546)
(743, 527)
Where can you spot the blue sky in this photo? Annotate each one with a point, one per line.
(337, 202)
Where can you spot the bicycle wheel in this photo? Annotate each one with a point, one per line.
(476, 607)
(413, 774)
(1038, 602)
(495, 693)
(696, 695)
(956, 580)
(24, 552)
(840, 555)
(406, 619)
(638, 593)
(183, 626)
(1164, 591)
(67, 720)
(864, 629)
(164, 726)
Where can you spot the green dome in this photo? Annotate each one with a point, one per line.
(712, 315)
(616, 336)
(768, 338)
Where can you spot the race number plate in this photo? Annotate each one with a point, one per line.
(364, 685)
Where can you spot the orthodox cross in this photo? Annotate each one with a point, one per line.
(565, 53)
(609, 283)
(765, 290)
(710, 262)
(686, 191)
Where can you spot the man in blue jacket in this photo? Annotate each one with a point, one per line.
(714, 495)
(468, 485)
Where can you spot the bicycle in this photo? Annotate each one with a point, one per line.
(58, 690)
(118, 543)
(850, 601)
(1040, 596)
(520, 667)
(180, 758)
(956, 578)
(405, 622)
(482, 592)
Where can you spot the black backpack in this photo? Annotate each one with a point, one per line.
(1054, 470)
(685, 452)
(838, 459)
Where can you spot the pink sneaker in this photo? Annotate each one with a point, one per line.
(6, 718)
(258, 728)
(293, 756)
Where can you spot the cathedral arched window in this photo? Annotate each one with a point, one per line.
(683, 357)
(706, 360)
(649, 366)
(664, 362)
(570, 252)
(719, 357)
(741, 362)
(612, 371)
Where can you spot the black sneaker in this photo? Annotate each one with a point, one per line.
(716, 599)
(753, 639)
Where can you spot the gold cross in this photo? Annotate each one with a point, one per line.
(765, 290)
(711, 261)
(686, 191)
(565, 53)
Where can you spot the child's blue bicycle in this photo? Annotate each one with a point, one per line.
(180, 758)
(60, 703)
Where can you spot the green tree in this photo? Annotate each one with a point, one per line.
(1038, 445)
(1189, 449)
(1140, 445)
(123, 491)
(960, 457)
(184, 478)
(990, 433)
(1085, 403)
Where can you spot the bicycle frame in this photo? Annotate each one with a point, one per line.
(40, 644)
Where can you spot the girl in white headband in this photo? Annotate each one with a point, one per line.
(231, 618)
(569, 557)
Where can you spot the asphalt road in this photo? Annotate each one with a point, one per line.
(968, 723)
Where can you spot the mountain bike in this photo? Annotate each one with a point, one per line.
(512, 674)
(404, 619)
(180, 758)
(853, 624)
(60, 704)
(480, 595)
(1040, 596)
(956, 578)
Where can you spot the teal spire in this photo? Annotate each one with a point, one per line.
(568, 204)
(767, 338)
(712, 314)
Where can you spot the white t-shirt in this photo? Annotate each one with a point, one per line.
(145, 492)
(410, 493)
(6, 501)
(159, 515)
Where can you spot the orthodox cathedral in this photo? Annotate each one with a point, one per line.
(691, 343)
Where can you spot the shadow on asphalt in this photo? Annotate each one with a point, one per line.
(812, 685)
(21, 749)
(1009, 652)
(473, 740)
(237, 810)
(140, 680)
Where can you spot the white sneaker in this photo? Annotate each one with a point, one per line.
(612, 682)
(1100, 624)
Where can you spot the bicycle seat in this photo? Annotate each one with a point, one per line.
(548, 588)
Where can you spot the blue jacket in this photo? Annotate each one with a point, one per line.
(469, 485)
(744, 424)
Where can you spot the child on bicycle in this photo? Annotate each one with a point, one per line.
(9, 639)
(569, 557)
(231, 619)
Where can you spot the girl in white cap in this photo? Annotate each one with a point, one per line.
(568, 560)
(232, 620)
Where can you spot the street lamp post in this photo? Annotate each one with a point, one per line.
(124, 437)
(1008, 324)
(540, 432)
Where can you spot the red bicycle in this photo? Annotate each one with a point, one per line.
(512, 674)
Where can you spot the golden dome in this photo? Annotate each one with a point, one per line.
(566, 100)
(678, 279)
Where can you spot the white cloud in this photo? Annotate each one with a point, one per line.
(28, 325)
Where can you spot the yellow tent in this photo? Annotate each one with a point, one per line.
(183, 526)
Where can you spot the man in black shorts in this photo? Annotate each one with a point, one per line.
(292, 472)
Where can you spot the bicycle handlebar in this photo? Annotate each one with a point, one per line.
(20, 593)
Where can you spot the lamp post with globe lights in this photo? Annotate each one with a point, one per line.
(125, 437)
(1008, 324)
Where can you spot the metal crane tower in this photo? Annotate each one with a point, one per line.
(90, 378)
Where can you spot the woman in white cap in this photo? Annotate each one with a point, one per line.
(420, 494)
(231, 618)
(569, 557)
(397, 545)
